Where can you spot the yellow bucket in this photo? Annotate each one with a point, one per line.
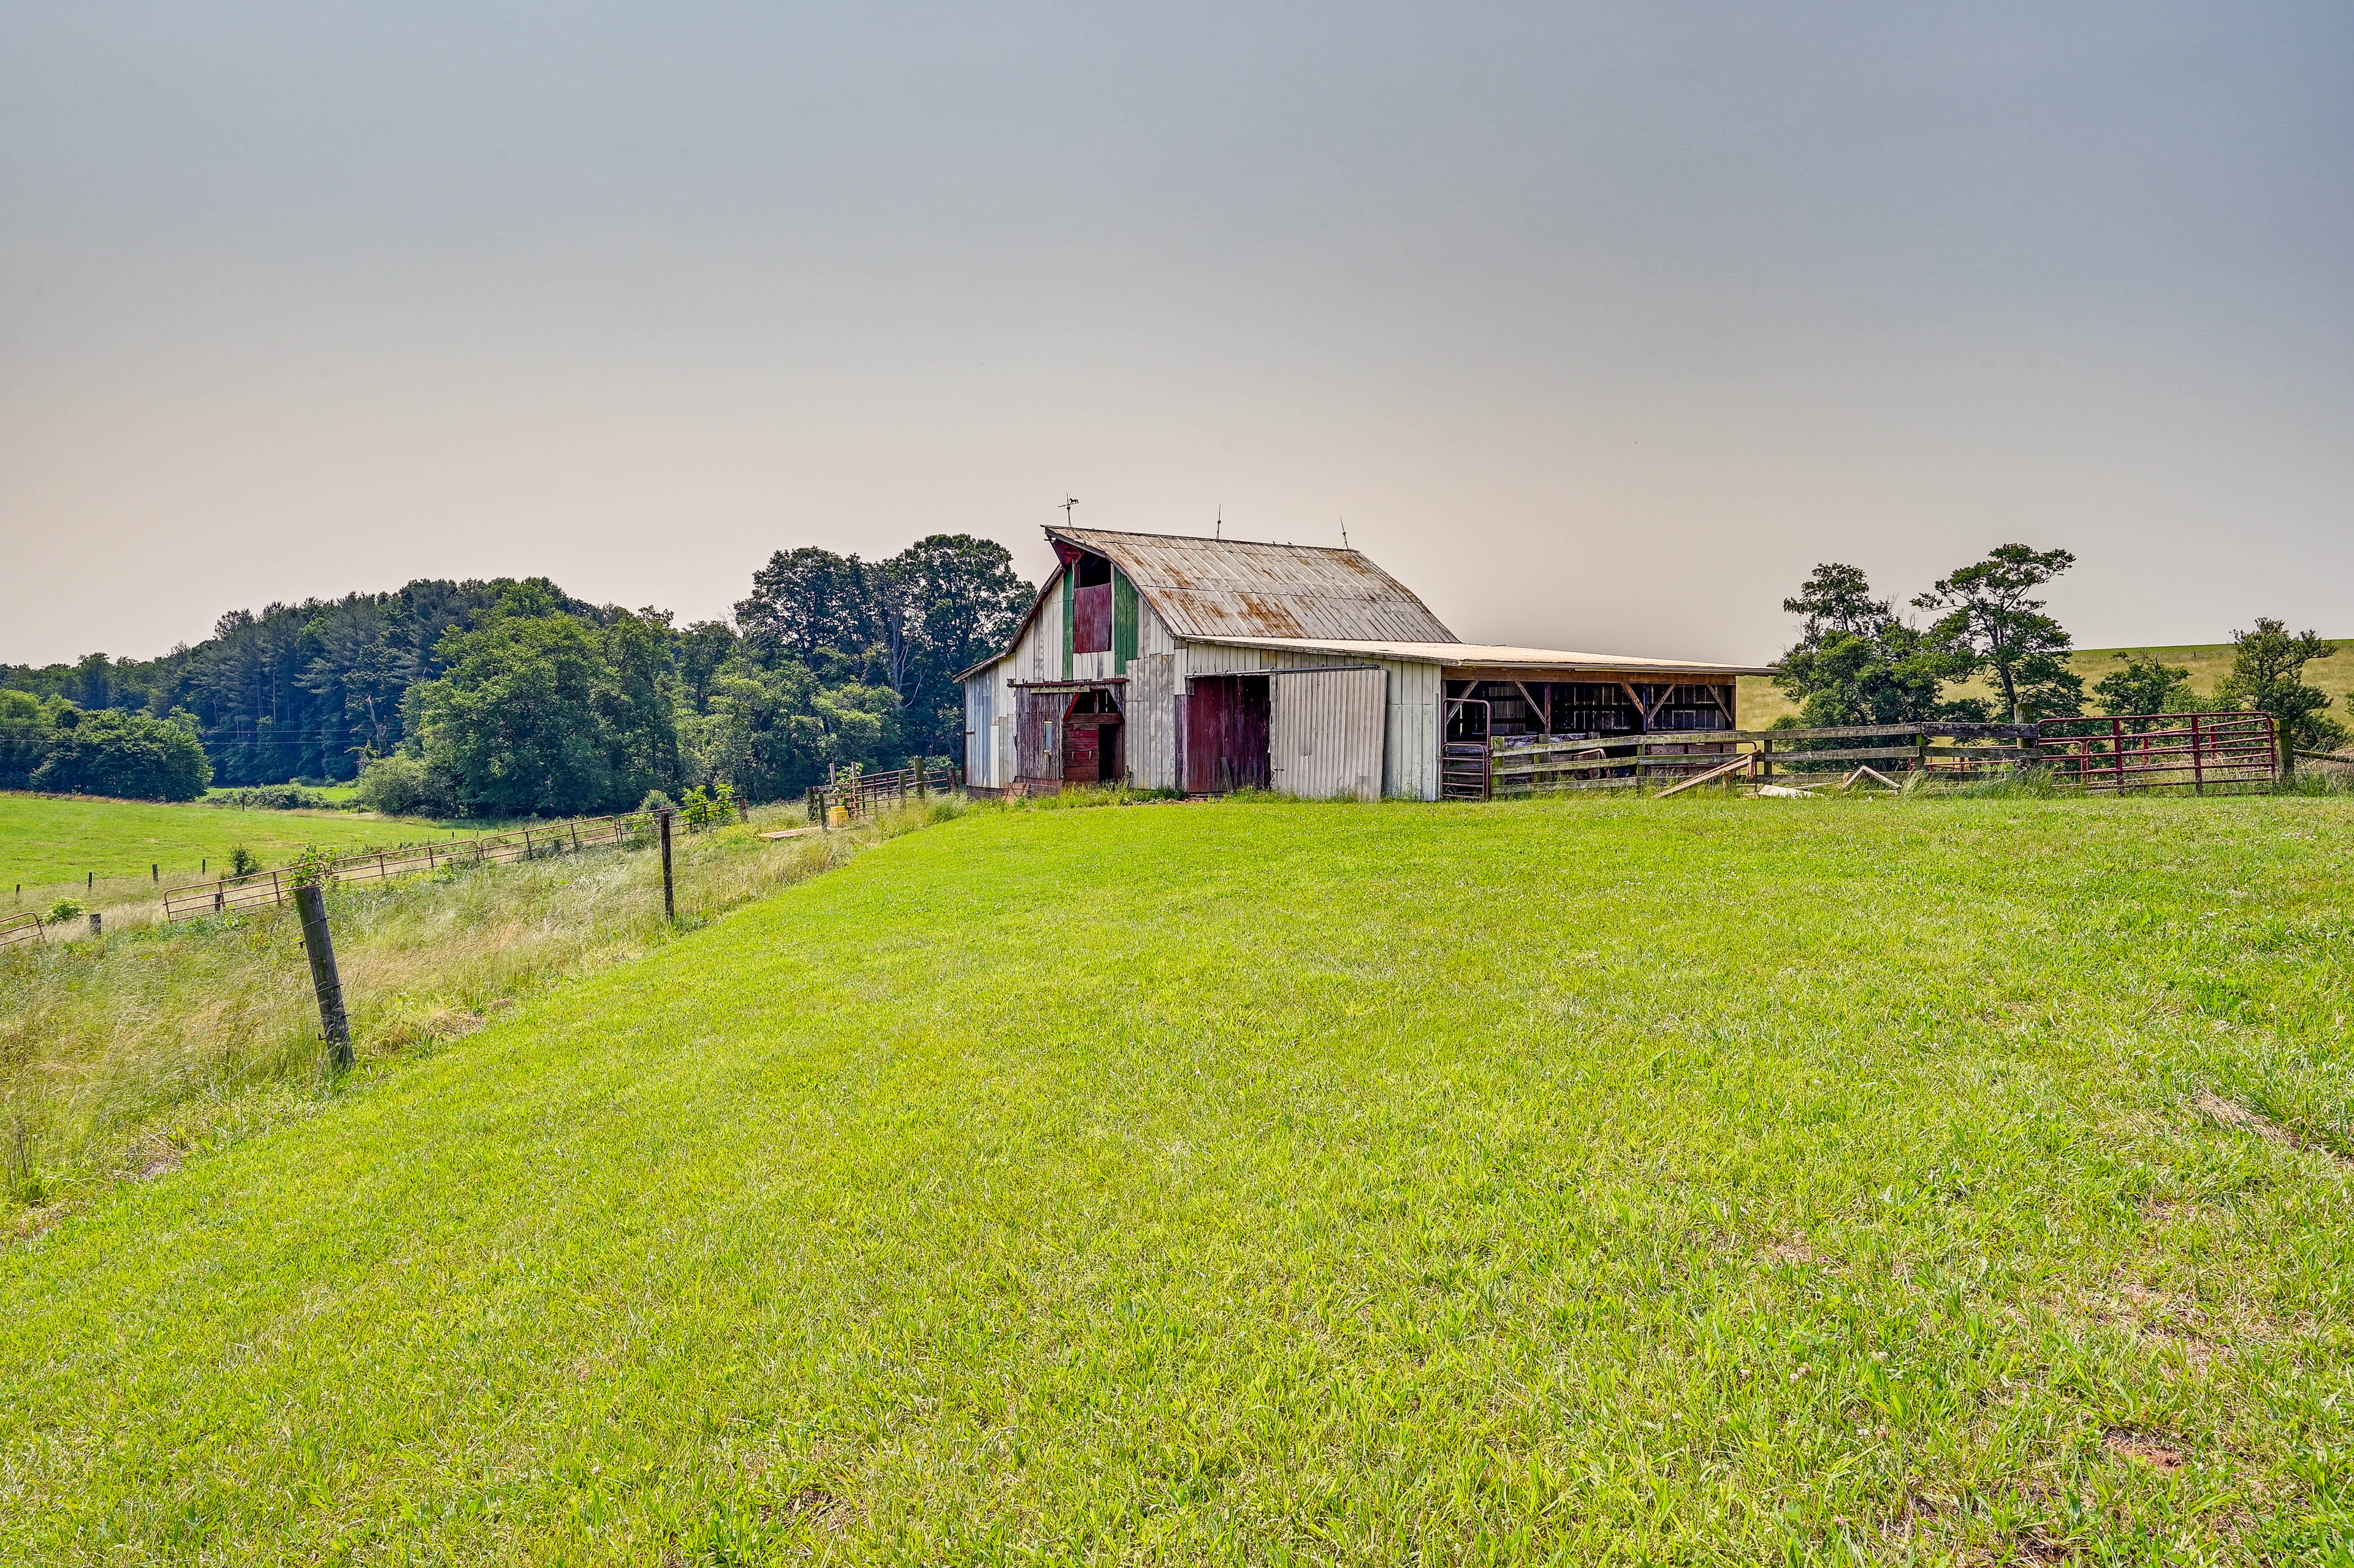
(837, 816)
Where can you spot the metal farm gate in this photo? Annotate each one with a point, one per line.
(2162, 751)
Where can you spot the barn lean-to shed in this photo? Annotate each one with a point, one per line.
(1214, 664)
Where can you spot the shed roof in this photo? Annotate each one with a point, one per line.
(1205, 588)
(1494, 656)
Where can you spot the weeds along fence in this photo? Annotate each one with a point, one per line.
(269, 889)
(2154, 752)
(860, 793)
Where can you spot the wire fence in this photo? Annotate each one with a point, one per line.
(269, 889)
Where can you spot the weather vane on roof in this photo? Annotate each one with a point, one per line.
(1068, 504)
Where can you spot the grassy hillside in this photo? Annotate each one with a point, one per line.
(1699, 1180)
(1761, 701)
(120, 1051)
(48, 838)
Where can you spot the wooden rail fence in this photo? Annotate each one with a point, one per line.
(1518, 767)
(2157, 751)
(861, 793)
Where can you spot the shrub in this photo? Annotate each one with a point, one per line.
(403, 787)
(130, 755)
(295, 797)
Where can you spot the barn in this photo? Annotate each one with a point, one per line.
(1209, 666)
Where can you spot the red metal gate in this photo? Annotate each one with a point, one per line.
(2176, 751)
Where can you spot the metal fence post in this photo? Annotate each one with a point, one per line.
(320, 944)
(670, 899)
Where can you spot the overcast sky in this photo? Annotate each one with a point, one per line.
(1599, 324)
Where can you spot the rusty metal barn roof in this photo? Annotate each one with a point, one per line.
(1232, 587)
(1491, 656)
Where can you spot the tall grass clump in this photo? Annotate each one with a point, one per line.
(117, 1053)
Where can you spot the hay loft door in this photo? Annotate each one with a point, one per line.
(1325, 733)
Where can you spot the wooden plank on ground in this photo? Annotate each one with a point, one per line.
(1735, 766)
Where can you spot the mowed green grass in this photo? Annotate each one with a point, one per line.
(1761, 701)
(1721, 1181)
(47, 839)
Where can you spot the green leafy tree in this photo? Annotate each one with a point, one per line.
(773, 730)
(2146, 685)
(1856, 663)
(1990, 618)
(2267, 677)
(699, 653)
(135, 756)
(28, 729)
(943, 604)
(912, 622)
(805, 601)
(548, 714)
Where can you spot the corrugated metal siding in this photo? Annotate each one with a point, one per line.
(1152, 720)
(1325, 740)
(1151, 631)
(979, 727)
(1210, 588)
(1411, 729)
(1411, 746)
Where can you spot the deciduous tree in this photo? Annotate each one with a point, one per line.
(1990, 617)
(2146, 685)
(2267, 677)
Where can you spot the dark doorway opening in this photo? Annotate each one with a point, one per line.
(1225, 734)
(1091, 739)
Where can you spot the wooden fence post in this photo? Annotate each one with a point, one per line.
(320, 944)
(670, 900)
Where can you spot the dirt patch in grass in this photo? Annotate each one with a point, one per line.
(2159, 1453)
(816, 1506)
(1796, 1250)
(2239, 1117)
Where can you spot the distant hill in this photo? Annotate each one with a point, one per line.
(1761, 701)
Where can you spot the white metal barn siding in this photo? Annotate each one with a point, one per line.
(979, 731)
(1151, 737)
(1324, 733)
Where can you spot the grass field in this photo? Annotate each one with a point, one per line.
(1697, 1181)
(123, 1050)
(1761, 701)
(52, 839)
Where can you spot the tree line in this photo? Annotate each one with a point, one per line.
(510, 697)
(1859, 661)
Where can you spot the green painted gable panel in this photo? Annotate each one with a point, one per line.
(1070, 617)
(1123, 622)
